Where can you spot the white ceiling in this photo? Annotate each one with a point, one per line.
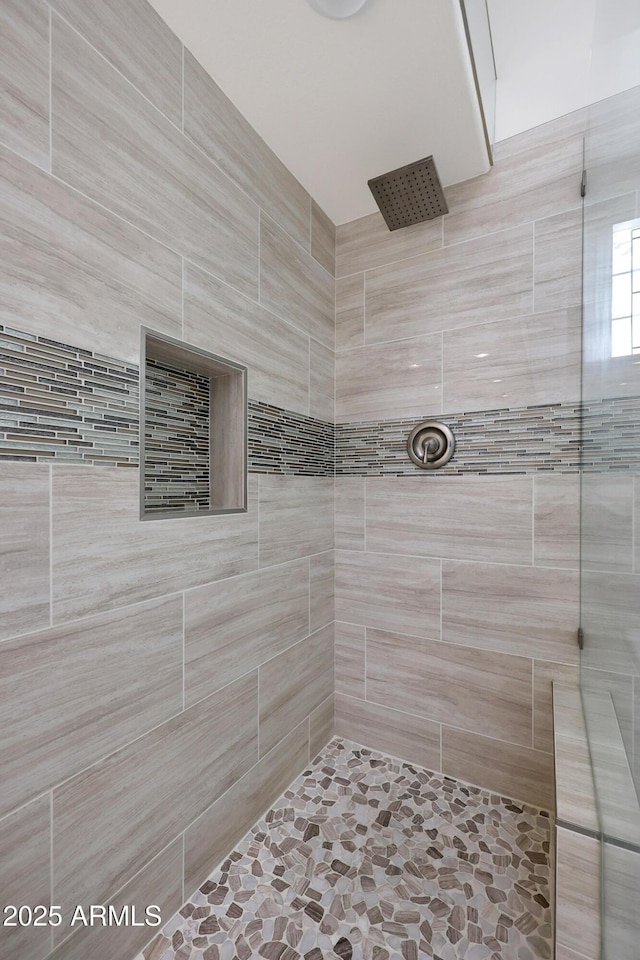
(342, 101)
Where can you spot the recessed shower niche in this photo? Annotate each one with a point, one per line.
(193, 431)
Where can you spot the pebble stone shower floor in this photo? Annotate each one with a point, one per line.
(368, 857)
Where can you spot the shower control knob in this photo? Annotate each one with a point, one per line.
(431, 444)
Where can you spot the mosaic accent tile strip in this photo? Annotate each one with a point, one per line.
(368, 858)
(524, 440)
(611, 435)
(177, 443)
(61, 403)
(289, 443)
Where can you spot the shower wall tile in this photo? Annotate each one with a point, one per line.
(234, 625)
(528, 611)
(468, 518)
(460, 686)
(578, 892)
(105, 279)
(612, 156)
(535, 175)
(544, 675)
(513, 363)
(558, 261)
(390, 592)
(296, 517)
(294, 684)
(322, 381)
(322, 573)
(214, 123)
(24, 553)
(223, 321)
(350, 660)
(399, 379)
(511, 769)
(556, 520)
(321, 726)
(350, 311)
(294, 285)
(216, 831)
(398, 733)
(607, 522)
(158, 883)
(103, 834)
(349, 512)
(103, 557)
(472, 282)
(24, 77)
(368, 243)
(25, 844)
(323, 238)
(157, 179)
(101, 682)
(137, 41)
(610, 613)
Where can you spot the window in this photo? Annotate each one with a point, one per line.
(625, 290)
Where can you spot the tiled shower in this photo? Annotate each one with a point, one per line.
(163, 683)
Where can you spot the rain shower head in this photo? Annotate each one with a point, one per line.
(409, 194)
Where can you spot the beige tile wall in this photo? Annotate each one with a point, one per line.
(456, 597)
(162, 682)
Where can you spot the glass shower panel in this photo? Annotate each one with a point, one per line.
(610, 504)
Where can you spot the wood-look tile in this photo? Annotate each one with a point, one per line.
(103, 557)
(367, 243)
(223, 321)
(296, 517)
(529, 611)
(612, 145)
(103, 278)
(234, 625)
(25, 843)
(217, 126)
(390, 592)
(516, 771)
(469, 518)
(104, 834)
(293, 685)
(321, 605)
(350, 311)
(578, 892)
(350, 660)
(545, 674)
(535, 174)
(386, 380)
(349, 513)
(556, 520)
(294, 285)
(112, 144)
(99, 683)
(24, 550)
(557, 278)
(323, 238)
(24, 77)
(216, 831)
(322, 382)
(575, 798)
(463, 687)
(621, 872)
(607, 516)
(513, 363)
(158, 883)
(137, 41)
(486, 278)
(610, 613)
(390, 731)
(321, 726)
(566, 953)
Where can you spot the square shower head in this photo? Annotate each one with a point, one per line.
(409, 194)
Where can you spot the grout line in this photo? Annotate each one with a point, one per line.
(184, 651)
(182, 47)
(441, 757)
(50, 545)
(182, 295)
(259, 257)
(258, 716)
(50, 90)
